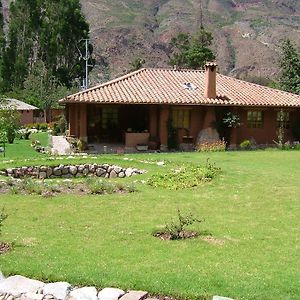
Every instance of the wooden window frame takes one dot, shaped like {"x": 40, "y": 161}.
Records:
{"x": 181, "y": 118}
{"x": 255, "y": 119}
{"x": 286, "y": 119}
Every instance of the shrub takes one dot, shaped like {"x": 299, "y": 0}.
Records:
{"x": 9, "y": 124}
{"x": 245, "y": 145}
{"x": 186, "y": 176}
{"x": 217, "y": 146}
{"x": 176, "y": 229}
{"x": 81, "y": 145}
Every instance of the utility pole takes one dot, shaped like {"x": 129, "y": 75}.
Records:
{"x": 86, "y": 59}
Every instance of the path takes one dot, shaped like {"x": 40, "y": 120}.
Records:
{"x": 60, "y": 146}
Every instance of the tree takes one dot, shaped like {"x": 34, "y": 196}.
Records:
{"x": 136, "y": 64}
{"x": 42, "y": 89}
{"x": 46, "y": 31}
{"x": 191, "y": 52}
{"x": 9, "y": 124}
{"x": 289, "y": 62}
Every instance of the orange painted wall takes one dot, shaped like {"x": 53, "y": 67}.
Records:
{"x": 26, "y": 117}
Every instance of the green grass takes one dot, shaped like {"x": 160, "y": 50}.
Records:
{"x": 253, "y": 206}
{"x": 21, "y": 149}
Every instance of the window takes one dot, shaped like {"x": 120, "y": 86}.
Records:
{"x": 109, "y": 117}
{"x": 181, "y": 118}
{"x": 283, "y": 119}
{"x": 255, "y": 119}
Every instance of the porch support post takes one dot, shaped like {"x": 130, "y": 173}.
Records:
{"x": 163, "y": 130}
{"x": 83, "y": 122}
{"x": 153, "y": 121}
{"x": 72, "y": 119}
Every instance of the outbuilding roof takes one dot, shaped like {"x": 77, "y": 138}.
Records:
{"x": 182, "y": 87}
{"x": 15, "y": 104}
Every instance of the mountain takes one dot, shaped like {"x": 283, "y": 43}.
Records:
{"x": 247, "y": 33}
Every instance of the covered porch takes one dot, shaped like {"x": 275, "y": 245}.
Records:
{"x": 137, "y": 125}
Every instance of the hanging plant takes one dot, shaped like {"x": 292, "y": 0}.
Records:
{"x": 231, "y": 120}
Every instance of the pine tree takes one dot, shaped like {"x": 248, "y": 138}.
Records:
{"x": 191, "y": 52}
{"x": 289, "y": 63}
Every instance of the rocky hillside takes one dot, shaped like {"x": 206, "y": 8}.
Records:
{"x": 247, "y": 33}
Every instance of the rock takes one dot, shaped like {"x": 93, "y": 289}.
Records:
{"x": 80, "y": 168}
{"x": 32, "y": 296}
{"x": 17, "y": 284}
{"x": 113, "y": 174}
{"x": 110, "y": 294}
{"x": 43, "y": 169}
{"x": 85, "y": 171}
{"x": 85, "y": 293}
{"x": 128, "y": 172}
{"x": 1, "y": 276}
{"x": 10, "y": 171}
{"x": 221, "y": 298}
{"x": 73, "y": 170}
{"x": 58, "y": 289}
{"x": 117, "y": 169}
{"x": 121, "y": 174}
{"x": 208, "y": 135}
{"x": 49, "y": 172}
{"x": 65, "y": 170}
{"x": 100, "y": 172}
{"x": 135, "y": 295}
{"x": 42, "y": 175}
{"x": 57, "y": 171}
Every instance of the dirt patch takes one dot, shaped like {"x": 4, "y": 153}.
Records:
{"x": 166, "y": 236}
{"x": 213, "y": 241}
{"x": 4, "y": 248}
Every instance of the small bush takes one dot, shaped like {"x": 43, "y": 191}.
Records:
{"x": 217, "y": 146}
{"x": 186, "y": 176}
{"x": 245, "y": 145}
{"x": 176, "y": 229}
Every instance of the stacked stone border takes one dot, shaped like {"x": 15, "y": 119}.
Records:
{"x": 70, "y": 171}
{"x": 21, "y": 288}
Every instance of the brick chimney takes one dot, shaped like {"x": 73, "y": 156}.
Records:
{"x": 210, "y": 84}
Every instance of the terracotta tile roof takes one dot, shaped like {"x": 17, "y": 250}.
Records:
{"x": 169, "y": 86}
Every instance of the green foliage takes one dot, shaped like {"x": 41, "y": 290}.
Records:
{"x": 289, "y": 63}
{"x": 177, "y": 228}
{"x": 3, "y": 217}
{"x": 191, "y": 52}
{"x": 44, "y": 35}
{"x": 172, "y": 136}
{"x": 245, "y": 145}
{"x": 185, "y": 176}
{"x": 231, "y": 120}
{"x": 9, "y": 124}
{"x": 60, "y": 126}
{"x": 136, "y": 64}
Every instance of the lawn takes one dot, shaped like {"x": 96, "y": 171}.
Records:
{"x": 251, "y": 209}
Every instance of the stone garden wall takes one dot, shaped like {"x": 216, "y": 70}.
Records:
{"x": 69, "y": 171}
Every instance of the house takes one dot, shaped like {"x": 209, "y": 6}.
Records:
{"x": 26, "y": 110}
{"x": 149, "y": 103}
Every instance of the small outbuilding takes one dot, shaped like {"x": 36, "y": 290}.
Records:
{"x": 26, "y": 110}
